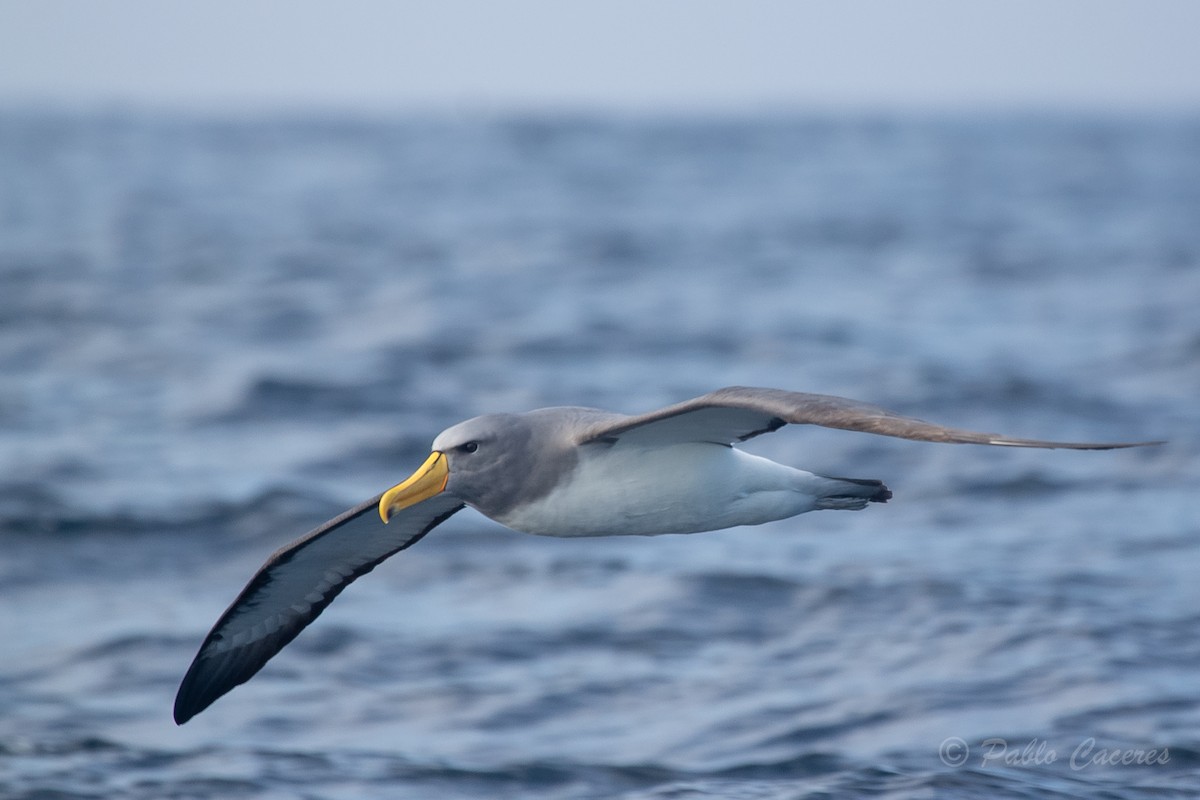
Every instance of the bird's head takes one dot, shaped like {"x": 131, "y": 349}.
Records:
{"x": 484, "y": 462}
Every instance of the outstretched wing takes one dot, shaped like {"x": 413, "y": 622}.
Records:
{"x": 292, "y": 588}
{"x": 737, "y": 413}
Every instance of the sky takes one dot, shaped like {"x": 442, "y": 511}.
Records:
{"x": 639, "y": 55}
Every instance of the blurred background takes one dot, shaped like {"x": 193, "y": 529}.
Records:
{"x": 254, "y": 256}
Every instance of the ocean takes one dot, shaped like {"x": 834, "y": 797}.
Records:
{"x": 218, "y": 331}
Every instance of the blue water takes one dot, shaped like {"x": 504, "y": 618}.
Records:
{"x": 217, "y": 332}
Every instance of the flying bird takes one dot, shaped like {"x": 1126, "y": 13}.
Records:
{"x": 562, "y": 472}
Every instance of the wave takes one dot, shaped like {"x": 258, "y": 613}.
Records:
{"x": 274, "y": 397}
{"x": 52, "y": 768}
{"x": 37, "y": 511}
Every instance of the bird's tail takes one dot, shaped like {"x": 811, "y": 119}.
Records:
{"x": 852, "y": 494}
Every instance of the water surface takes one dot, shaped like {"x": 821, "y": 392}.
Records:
{"x": 215, "y": 333}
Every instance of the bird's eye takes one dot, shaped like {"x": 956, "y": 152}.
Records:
{"x": 469, "y": 447}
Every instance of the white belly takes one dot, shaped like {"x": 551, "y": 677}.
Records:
{"x": 684, "y": 488}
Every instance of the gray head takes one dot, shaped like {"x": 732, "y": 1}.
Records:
{"x": 494, "y": 462}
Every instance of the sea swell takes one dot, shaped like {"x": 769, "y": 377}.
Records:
{"x": 216, "y": 334}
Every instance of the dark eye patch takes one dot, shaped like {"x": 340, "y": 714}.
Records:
{"x": 469, "y": 447}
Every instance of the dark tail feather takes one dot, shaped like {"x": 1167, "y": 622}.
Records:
{"x": 871, "y": 490}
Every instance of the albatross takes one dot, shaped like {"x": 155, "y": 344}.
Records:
{"x": 563, "y": 472}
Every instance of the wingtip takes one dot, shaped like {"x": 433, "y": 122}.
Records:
{"x": 191, "y": 699}
{"x": 1004, "y": 441}
{"x": 196, "y": 690}
{"x": 1126, "y": 445}
{"x": 183, "y": 711}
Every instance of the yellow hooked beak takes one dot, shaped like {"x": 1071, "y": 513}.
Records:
{"x": 427, "y": 481}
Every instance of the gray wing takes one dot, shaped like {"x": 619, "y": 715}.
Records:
{"x": 737, "y": 413}
{"x": 292, "y": 588}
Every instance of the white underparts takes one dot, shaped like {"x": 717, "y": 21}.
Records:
{"x": 684, "y": 488}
